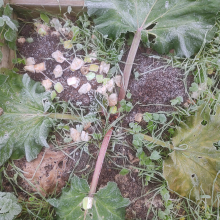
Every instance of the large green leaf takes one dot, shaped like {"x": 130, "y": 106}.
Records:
{"x": 176, "y": 24}
{"x": 108, "y": 204}
{"x": 9, "y": 206}
{"x": 192, "y": 170}
{"x": 23, "y": 125}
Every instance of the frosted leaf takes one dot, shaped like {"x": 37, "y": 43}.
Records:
{"x": 76, "y": 64}
{"x": 73, "y": 81}
{"x": 192, "y": 169}
{"x": 55, "y": 33}
{"x": 85, "y": 88}
{"x": 47, "y": 84}
{"x": 21, "y": 40}
{"x": 58, "y": 71}
{"x": 30, "y": 61}
{"x": 110, "y": 85}
{"x": 56, "y": 24}
{"x": 117, "y": 80}
{"x": 104, "y": 68}
{"x": 181, "y": 25}
{"x": 40, "y": 67}
{"x": 84, "y": 70}
{"x": 67, "y": 44}
{"x": 24, "y": 103}
{"x": 90, "y": 76}
{"x": 107, "y": 202}
{"x": 113, "y": 99}
{"x": 75, "y": 135}
{"x": 138, "y": 117}
{"x": 30, "y": 68}
{"x": 85, "y": 136}
{"x": 58, "y": 56}
{"x": 93, "y": 68}
{"x": 58, "y": 87}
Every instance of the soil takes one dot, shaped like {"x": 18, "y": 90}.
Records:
{"x": 41, "y": 49}
{"x": 153, "y": 91}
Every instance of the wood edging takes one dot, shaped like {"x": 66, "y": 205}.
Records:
{"x": 47, "y": 3}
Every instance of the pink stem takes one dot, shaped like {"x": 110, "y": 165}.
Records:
{"x": 99, "y": 162}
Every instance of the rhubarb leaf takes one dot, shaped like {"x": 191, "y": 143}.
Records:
{"x": 175, "y": 24}
{"x": 192, "y": 170}
{"x": 23, "y": 126}
{"x": 108, "y": 204}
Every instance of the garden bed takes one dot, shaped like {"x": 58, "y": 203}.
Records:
{"x": 156, "y": 101}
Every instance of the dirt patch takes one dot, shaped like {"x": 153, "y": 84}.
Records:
{"x": 41, "y": 49}
{"x": 156, "y": 85}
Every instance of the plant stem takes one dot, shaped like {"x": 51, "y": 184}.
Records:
{"x": 158, "y": 142}
{"x": 99, "y": 162}
{"x": 106, "y": 140}
{"x": 129, "y": 63}
{"x": 64, "y": 116}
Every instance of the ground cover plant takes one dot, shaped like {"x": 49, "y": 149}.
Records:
{"x": 188, "y": 164}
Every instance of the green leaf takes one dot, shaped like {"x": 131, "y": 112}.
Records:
{"x": 12, "y": 45}
{"x": 107, "y": 202}
{"x": 8, "y": 10}
{"x": 10, "y": 35}
{"x": 162, "y": 118}
{"x": 124, "y": 172}
{"x": 45, "y": 18}
{"x": 193, "y": 167}
{"x": 155, "y": 155}
{"x": 23, "y": 125}
{"x": 147, "y": 116}
{"x": 11, "y": 23}
{"x": 9, "y": 206}
{"x": 177, "y": 24}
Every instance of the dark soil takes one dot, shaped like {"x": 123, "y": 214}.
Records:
{"x": 41, "y": 49}
{"x": 153, "y": 91}
{"x": 157, "y": 85}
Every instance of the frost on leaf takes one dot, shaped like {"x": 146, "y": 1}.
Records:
{"x": 23, "y": 126}
{"x": 107, "y": 202}
{"x": 9, "y": 206}
{"x": 192, "y": 170}
{"x": 181, "y": 25}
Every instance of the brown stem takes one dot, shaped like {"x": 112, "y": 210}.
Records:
{"x": 99, "y": 162}
{"x": 129, "y": 64}
{"x": 64, "y": 116}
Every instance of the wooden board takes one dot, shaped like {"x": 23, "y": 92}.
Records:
{"x": 8, "y": 54}
{"x": 32, "y": 8}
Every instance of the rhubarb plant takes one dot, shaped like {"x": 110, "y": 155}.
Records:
{"x": 25, "y": 121}
{"x": 182, "y": 25}
{"x": 107, "y": 203}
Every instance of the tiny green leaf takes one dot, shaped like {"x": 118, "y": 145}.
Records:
{"x": 155, "y": 155}
{"x": 156, "y": 116}
{"x": 69, "y": 9}
{"x": 194, "y": 87}
{"x": 162, "y": 118}
{"x": 58, "y": 87}
{"x": 90, "y": 76}
{"x": 45, "y": 18}
{"x": 99, "y": 78}
{"x": 124, "y": 172}
{"x": 147, "y": 116}
{"x": 53, "y": 95}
